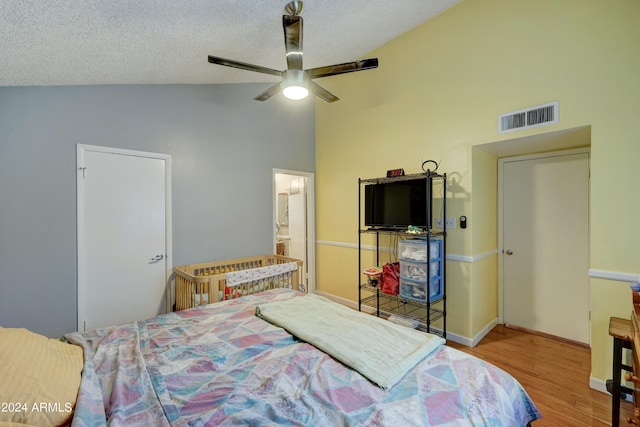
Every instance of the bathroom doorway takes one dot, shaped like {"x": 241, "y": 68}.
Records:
{"x": 294, "y": 220}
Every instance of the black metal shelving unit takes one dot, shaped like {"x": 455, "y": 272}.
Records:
{"x": 385, "y": 305}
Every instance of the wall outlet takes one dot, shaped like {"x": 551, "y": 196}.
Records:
{"x": 451, "y": 222}
{"x": 439, "y": 222}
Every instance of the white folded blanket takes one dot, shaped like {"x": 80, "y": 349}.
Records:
{"x": 380, "y": 350}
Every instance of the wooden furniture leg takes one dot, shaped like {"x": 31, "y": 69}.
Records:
{"x": 622, "y": 333}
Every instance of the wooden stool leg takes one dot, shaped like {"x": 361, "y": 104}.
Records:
{"x": 617, "y": 377}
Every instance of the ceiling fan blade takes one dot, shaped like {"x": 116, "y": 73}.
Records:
{"x": 293, "y": 41}
{"x": 269, "y": 92}
{"x": 347, "y": 67}
{"x": 321, "y": 92}
{"x": 243, "y": 66}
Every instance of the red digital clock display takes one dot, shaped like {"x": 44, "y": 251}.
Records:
{"x": 395, "y": 172}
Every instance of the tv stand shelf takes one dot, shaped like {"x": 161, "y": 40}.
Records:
{"x": 371, "y": 298}
{"x": 386, "y": 179}
{"x": 385, "y": 305}
{"x": 397, "y": 231}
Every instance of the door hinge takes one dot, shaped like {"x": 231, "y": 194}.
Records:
{"x": 82, "y": 169}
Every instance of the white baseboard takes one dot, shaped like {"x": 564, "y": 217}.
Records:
{"x": 600, "y": 385}
{"x": 337, "y": 299}
{"x": 472, "y": 342}
{"x": 483, "y": 333}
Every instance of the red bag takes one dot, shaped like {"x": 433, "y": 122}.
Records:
{"x": 390, "y": 278}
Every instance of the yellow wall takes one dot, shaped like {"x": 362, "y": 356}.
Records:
{"x": 437, "y": 94}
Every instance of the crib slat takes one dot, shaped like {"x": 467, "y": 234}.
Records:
{"x": 193, "y": 281}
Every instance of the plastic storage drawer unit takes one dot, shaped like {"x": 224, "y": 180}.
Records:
{"x": 419, "y": 270}
{"x": 416, "y": 249}
{"x": 417, "y": 290}
{"x": 413, "y": 250}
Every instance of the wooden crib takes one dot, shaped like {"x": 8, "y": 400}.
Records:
{"x": 205, "y": 283}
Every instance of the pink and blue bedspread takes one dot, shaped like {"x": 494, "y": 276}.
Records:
{"x": 221, "y": 365}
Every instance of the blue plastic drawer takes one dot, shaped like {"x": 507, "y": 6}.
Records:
{"x": 416, "y": 250}
{"x": 417, "y": 290}
{"x": 413, "y": 250}
{"x": 419, "y": 270}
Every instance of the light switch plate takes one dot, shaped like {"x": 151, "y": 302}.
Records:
{"x": 451, "y": 222}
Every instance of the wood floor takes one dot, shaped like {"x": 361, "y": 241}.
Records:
{"x": 554, "y": 373}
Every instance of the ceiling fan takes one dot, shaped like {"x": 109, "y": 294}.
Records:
{"x": 296, "y": 82}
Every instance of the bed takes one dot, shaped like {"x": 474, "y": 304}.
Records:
{"x": 223, "y": 364}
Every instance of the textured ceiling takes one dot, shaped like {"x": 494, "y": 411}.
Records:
{"x": 79, "y": 42}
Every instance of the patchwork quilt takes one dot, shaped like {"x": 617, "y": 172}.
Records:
{"x": 220, "y": 364}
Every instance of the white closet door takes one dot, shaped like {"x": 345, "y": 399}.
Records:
{"x": 546, "y": 244}
{"x": 122, "y": 262}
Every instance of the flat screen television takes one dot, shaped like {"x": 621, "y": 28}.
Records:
{"x": 397, "y": 204}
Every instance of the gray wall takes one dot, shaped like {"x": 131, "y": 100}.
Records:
{"x": 223, "y": 144}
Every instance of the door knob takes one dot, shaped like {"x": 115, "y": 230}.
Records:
{"x": 509, "y": 252}
{"x": 156, "y": 258}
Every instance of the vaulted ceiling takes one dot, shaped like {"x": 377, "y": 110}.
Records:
{"x": 81, "y": 42}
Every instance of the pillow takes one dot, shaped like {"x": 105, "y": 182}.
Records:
{"x": 40, "y": 378}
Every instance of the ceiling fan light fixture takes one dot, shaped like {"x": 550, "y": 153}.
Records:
{"x": 294, "y": 84}
{"x": 295, "y": 92}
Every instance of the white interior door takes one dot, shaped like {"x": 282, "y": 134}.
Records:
{"x": 299, "y": 230}
{"x": 298, "y": 224}
{"x": 545, "y": 241}
{"x": 122, "y": 236}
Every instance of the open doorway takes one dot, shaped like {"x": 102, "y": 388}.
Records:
{"x": 294, "y": 222}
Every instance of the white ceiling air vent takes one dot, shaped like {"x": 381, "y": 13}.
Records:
{"x": 540, "y": 115}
